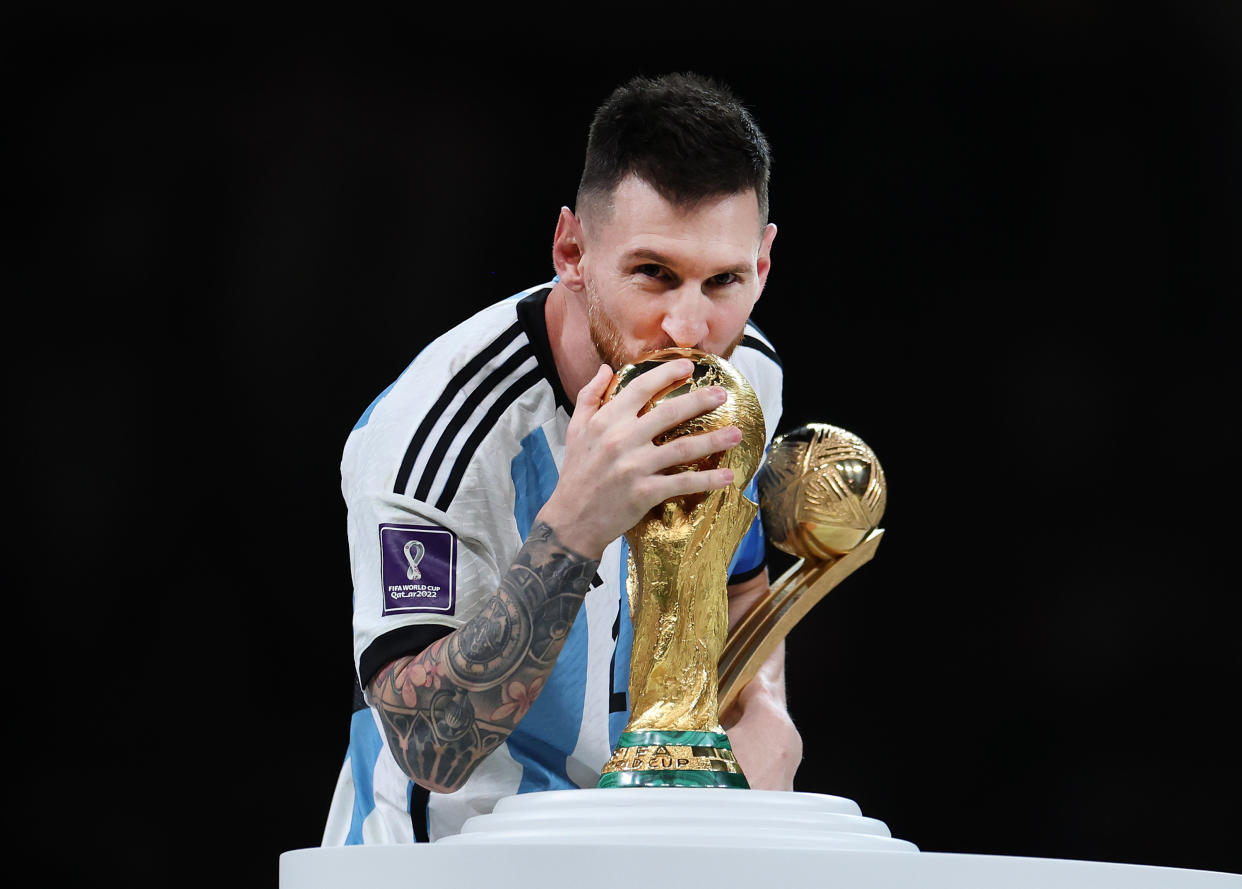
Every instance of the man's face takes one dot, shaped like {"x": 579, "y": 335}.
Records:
{"x": 657, "y": 275}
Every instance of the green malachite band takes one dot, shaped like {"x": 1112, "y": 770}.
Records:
{"x": 683, "y": 739}
{"x": 674, "y": 777}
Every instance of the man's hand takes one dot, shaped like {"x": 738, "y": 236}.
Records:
{"x": 613, "y": 474}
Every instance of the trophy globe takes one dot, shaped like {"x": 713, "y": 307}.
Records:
{"x": 823, "y": 492}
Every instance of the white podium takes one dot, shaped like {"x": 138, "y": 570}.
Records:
{"x": 712, "y": 838}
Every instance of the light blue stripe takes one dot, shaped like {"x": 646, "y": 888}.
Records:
{"x": 621, "y": 658}
{"x": 534, "y": 476}
{"x": 366, "y": 415}
{"x": 752, "y": 551}
{"x": 548, "y": 733}
{"x": 365, "y": 746}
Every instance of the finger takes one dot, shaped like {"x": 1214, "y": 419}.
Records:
{"x": 592, "y": 394}
{"x": 673, "y": 411}
{"x": 691, "y": 482}
{"x": 689, "y": 448}
{"x": 646, "y": 386}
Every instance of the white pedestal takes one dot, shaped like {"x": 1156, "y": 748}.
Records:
{"x": 683, "y": 817}
{"x": 722, "y": 839}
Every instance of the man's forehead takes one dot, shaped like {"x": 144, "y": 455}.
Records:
{"x": 636, "y": 216}
{"x": 633, "y": 192}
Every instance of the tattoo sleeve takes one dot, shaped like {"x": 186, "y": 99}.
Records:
{"x": 447, "y": 708}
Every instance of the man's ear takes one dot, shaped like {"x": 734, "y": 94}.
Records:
{"x": 763, "y": 262}
{"x": 567, "y": 249}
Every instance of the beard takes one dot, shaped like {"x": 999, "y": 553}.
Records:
{"x": 610, "y": 344}
{"x": 607, "y": 338}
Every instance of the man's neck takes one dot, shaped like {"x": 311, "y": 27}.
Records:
{"x": 569, "y": 335}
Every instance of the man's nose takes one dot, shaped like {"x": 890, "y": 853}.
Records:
{"x": 685, "y": 321}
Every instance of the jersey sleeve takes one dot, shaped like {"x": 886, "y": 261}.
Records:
{"x": 417, "y": 575}
{"x": 418, "y": 572}
{"x": 751, "y": 555}
{"x": 425, "y": 475}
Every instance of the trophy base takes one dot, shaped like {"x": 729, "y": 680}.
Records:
{"x": 673, "y": 759}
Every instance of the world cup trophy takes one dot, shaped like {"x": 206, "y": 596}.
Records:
{"x": 678, "y": 563}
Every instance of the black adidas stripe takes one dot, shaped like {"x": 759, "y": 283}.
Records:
{"x": 618, "y": 702}
{"x": 760, "y": 346}
{"x": 481, "y": 391}
{"x": 530, "y": 311}
{"x": 419, "y": 798}
{"x": 455, "y": 385}
{"x": 510, "y": 395}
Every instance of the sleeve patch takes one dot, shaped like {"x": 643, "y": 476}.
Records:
{"x": 420, "y": 569}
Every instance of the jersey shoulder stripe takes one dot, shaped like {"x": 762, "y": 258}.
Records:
{"x": 527, "y": 381}
{"x": 455, "y": 385}
{"x": 756, "y": 339}
{"x": 463, "y": 414}
{"x": 471, "y": 401}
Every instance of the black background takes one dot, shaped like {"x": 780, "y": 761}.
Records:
{"x": 1008, "y": 259}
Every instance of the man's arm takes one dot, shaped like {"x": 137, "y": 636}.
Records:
{"x": 445, "y": 709}
{"x": 764, "y": 738}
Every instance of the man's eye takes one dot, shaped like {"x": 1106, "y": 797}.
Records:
{"x": 722, "y": 279}
{"x": 651, "y": 270}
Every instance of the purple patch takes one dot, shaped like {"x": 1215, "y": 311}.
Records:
{"x": 420, "y": 568}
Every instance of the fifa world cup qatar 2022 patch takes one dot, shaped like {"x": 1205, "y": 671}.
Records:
{"x": 420, "y": 569}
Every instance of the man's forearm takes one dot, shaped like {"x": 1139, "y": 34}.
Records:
{"x": 448, "y": 707}
{"x": 765, "y": 740}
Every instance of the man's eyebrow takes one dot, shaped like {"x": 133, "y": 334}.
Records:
{"x": 653, "y": 255}
{"x": 658, "y": 257}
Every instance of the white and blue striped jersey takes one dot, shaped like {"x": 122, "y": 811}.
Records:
{"x": 443, "y": 476}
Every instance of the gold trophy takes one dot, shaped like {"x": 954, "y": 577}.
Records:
{"x": 823, "y": 492}
{"x": 679, "y": 556}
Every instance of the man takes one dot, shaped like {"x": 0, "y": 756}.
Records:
{"x": 489, "y": 486}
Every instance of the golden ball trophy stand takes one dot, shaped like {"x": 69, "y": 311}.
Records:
{"x": 673, "y": 806}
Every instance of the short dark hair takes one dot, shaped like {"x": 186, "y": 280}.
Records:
{"x": 685, "y": 135}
